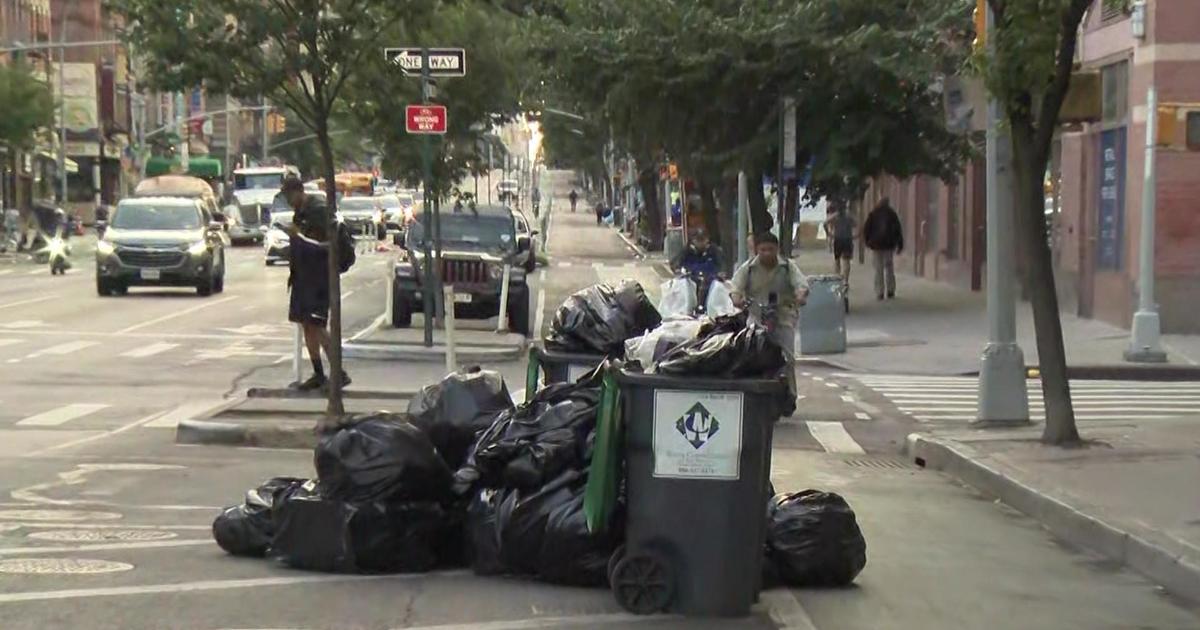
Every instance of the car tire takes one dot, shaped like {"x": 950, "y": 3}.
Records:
{"x": 206, "y": 285}
{"x": 104, "y": 288}
{"x": 219, "y": 282}
{"x": 381, "y": 232}
{"x": 518, "y": 313}
{"x": 401, "y": 313}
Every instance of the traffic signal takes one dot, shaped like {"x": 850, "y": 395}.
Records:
{"x": 276, "y": 123}
{"x": 980, "y": 18}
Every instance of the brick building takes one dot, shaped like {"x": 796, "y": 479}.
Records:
{"x": 1094, "y": 186}
{"x": 25, "y": 175}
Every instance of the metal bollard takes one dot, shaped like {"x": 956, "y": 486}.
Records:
{"x": 451, "y": 355}
{"x": 502, "y": 319}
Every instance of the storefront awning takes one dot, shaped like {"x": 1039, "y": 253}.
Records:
{"x": 72, "y": 165}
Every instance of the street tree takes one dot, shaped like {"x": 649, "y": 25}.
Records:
{"x": 298, "y": 53}
{"x": 27, "y": 106}
{"x": 1027, "y": 65}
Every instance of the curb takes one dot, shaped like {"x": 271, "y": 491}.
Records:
{"x": 1177, "y": 574}
{"x": 212, "y": 433}
{"x": 437, "y": 353}
{"x": 291, "y": 394}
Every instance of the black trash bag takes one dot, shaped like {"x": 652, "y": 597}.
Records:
{"x": 381, "y": 457}
{"x": 246, "y": 530}
{"x": 813, "y": 539}
{"x": 724, "y": 349}
{"x": 532, "y": 444}
{"x": 335, "y": 536}
{"x": 572, "y": 555}
{"x": 482, "y": 532}
{"x": 598, "y": 319}
{"x": 453, "y": 411}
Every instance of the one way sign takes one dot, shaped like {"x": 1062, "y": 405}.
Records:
{"x": 443, "y": 62}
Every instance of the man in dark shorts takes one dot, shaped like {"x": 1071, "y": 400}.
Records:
{"x": 840, "y": 227}
{"x": 308, "y": 306}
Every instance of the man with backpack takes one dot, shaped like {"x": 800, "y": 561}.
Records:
{"x": 885, "y": 238}
{"x": 308, "y": 278}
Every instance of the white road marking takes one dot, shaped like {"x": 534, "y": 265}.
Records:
{"x": 862, "y": 415}
{"x": 834, "y": 438}
{"x": 36, "y": 272}
{"x": 93, "y": 438}
{"x": 186, "y": 411}
{"x": 347, "y": 294}
{"x": 35, "y": 300}
{"x": 833, "y": 385}
{"x": 60, "y": 415}
{"x": 847, "y": 398}
{"x": 186, "y": 311}
{"x": 21, "y": 551}
{"x": 150, "y": 350}
{"x": 5, "y": 272}
{"x": 9, "y": 342}
{"x": 210, "y": 585}
{"x": 64, "y": 348}
{"x": 818, "y": 379}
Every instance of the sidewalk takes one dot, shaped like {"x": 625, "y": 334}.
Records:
{"x": 947, "y": 328}
{"x": 1131, "y": 494}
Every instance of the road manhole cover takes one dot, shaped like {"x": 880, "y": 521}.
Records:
{"x": 56, "y": 515}
{"x": 61, "y": 566}
{"x": 102, "y": 535}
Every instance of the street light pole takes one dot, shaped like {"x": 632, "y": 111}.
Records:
{"x": 1145, "y": 345}
{"x": 62, "y": 108}
{"x": 427, "y": 294}
{"x": 1003, "y": 397}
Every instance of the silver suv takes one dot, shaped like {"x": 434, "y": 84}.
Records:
{"x": 161, "y": 242}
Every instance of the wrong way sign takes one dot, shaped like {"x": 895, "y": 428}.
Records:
{"x": 428, "y": 119}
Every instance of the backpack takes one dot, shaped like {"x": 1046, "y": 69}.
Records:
{"x": 346, "y": 254}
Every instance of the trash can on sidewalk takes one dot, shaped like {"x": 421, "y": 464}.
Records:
{"x": 557, "y": 367}
{"x": 698, "y": 461}
{"x": 823, "y": 318}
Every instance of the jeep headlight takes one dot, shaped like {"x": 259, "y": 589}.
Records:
{"x": 197, "y": 248}
{"x": 105, "y": 248}
{"x": 495, "y": 271}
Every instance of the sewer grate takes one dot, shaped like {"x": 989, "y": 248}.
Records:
{"x": 878, "y": 463}
{"x": 61, "y": 566}
{"x": 102, "y": 535}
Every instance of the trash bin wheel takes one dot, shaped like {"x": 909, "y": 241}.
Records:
{"x": 616, "y": 556}
{"x": 643, "y": 583}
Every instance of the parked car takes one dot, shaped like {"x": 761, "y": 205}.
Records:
{"x": 526, "y": 257}
{"x": 476, "y": 244}
{"x": 161, "y": 241}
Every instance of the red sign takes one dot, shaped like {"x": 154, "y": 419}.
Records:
{"x": 426, "y": 118}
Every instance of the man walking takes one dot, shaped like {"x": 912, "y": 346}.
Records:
{"x": 308, "y": 279}
{"x": 767, "y": 279}
{"x": 574, "y": 197}
{"x": 840, "y": 228}
{"x": 885, "y": 237}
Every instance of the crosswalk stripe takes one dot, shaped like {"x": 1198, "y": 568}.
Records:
{"x": 186, "y": 411}
{"x": 150, "y": 350}
{"x": 1093, "y": 411}
{"x": 66, "y": 348}
{"x": 9, "y": 342}
{"x": 834, "y": 438}
{"x": 1181, "y": 399}
{"x": 5, "y": 272}
{"x": 61, "y": 415}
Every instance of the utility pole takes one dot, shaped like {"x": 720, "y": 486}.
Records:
{"x": 266, "y": 133}
{"x": 1144, "y": 336}
{"x": 180, "y": 128}
{"x": 1003, "y": 397}
{"x": 430, "y": 288}
{"x": 62, "y": 108}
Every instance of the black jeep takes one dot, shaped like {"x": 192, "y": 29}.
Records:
{"x": 477, "y": 241}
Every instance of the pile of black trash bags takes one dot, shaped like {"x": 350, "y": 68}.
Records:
{"x": 600, "y": 318}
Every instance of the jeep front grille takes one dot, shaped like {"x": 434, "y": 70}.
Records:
{"x": 464, "y": 272}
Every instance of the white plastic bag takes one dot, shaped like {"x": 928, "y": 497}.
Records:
{"x": 678, "y": 298}
{"x": 720, "y": 299}
{"x": 671, "y": 333}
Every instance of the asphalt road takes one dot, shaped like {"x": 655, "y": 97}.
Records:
{"x": 104, "y": 521}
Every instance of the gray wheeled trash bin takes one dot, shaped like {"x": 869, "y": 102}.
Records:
{"x": 823, "y": 318}
{"x": 697, "y": 463}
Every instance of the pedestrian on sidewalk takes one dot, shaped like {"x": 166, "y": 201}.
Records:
{"x": 574, "y": 197}
{"x": 308, "y": 278}
{"x": 841, "y": 228}
{"x": 884, "y": 235}
{"x": 600, "y": 212}
{"x": 767, "y": 279}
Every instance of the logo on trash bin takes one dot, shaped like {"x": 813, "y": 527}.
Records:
{"x": 697, "y": 426}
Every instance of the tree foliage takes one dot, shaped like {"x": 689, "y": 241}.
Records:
{"x": 26, "y": 106}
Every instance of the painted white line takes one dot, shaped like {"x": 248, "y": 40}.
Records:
{"x": 5, "y": 272}
{"x": 1080, "y": 411}
{"x": 786, "y": 611}
{"x": 44, "y": 525}
{"x": 150, "y": 350}
{"x": 29, "y": 301}
{"x": 862, "y": 415}
{"x": 22, "y": 551}
{"x": 833, "y": 385}
{"x": 834, "y": 437}
{"x": 806, "y": 374}
{"x": 9, "y": 342}
{"x": 186, "y": 411}
{"x": 210, "y": 585}
{"x": 61, "y": 415}
{"x": 818, "y": 379}
{"x": 372, "y": 327}
{"x": 36, "y": 272}
{"x": 586, "y": 621}
{"x": 539, "y": 317}
{"x": 848, "y": 398}
{"x": 347, "y": 294}
{"x": 94, "y": 438}
{"x": 186, "y": 311}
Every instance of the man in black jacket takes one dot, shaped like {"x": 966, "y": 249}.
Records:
{"x": 885, "y": 237}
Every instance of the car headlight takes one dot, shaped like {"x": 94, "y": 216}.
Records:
{"x": 105, "y": 248}
{"x": 496, "y": 272}
{"x": 197, "y": 248}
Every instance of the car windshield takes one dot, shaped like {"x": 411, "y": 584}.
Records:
{"x": 265, "y": 180}
{"x": 146, "y": 217}
{"x": 489, "y": 232}
{"x": 391, "y": 202}
{"x": 351, "y": 204}
{"x": 407, "y": 201}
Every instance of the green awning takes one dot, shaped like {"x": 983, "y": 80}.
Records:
{"x": 197, "y": 167}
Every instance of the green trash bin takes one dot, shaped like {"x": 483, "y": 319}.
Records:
{"x": 697, "y": 465}
{"x": 558, "y": 367}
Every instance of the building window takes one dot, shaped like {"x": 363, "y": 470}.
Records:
{"x": 1193, "y": 131}
{"x": 1114, "y": 80}
{"x": 1113, "y": 10}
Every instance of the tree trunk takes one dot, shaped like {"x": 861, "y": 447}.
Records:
{"x": 335, "y": 409}
{"x": 652, "y": 211}
{"x": 708, "y": 208}
{"x": 1029, "y": 210}
{"x": 760, "y": 219}
{"x": 787, "y": 224}
{"x": 727, "y": 196}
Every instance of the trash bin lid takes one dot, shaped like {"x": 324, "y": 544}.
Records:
{"x": 553, "y": 356}
{"x": 765, "y": 386}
